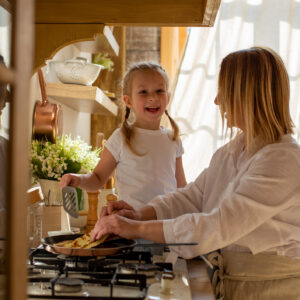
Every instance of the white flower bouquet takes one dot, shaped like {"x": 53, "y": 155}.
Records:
{"x": 67, "y": 155}
{"x": 103, "y": 60}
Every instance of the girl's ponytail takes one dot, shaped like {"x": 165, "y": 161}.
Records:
{"x": 174, "y": 127}
{"x": 126, "y": 128}
{"x": 128, "y": 131}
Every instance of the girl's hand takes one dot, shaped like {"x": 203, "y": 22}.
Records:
{"x": 118, "y": 225}
{"x": 120, "y": 208}
{"x": 70, "y": 180}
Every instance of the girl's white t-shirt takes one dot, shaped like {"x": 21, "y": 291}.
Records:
{"x": 141, "y": 178}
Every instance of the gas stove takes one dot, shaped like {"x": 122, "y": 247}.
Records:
{"x": 137, "y": 274}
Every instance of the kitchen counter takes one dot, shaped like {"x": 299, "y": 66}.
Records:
{"x": 199, "y": 281}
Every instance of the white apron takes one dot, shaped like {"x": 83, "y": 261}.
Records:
{"x": 244, "y": 276}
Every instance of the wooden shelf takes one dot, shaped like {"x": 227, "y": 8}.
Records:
{"x": 104, "y": 42}
{"x": 82, "y": 98}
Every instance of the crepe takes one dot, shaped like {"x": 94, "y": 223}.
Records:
{"x": 82, "y": 242}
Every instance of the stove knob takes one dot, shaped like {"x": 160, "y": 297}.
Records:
{"x": 167, "y": 282}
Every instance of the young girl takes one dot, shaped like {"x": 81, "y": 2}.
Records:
{"x": 247, "y": 202}
{"x": 147, "y": 157}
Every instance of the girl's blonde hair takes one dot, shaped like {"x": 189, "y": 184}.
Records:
{"x": 126, "y": 128}
{"x": 254, "y": 85}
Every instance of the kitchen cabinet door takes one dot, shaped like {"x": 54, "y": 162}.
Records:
{"x": 17, "y": 49}
{"x": 6, "y": 77}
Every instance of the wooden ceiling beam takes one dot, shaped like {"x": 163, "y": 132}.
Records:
{"x": 128, "y": 12}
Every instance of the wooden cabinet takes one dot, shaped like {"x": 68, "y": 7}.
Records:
{"x": 91, "y": 38}
{"x": 132, "y": 12}
{"x": 50, "y": 38}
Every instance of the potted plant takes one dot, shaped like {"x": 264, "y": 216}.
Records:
{"x": 50, "y": 161}
{"x": 103, "y": 60}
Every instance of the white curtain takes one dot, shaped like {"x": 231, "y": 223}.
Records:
{"x": 240, "y": 24}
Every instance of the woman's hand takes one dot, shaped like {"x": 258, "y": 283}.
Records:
{"x": 120, "y": 208}
{"x": 118, "y": 225}
{"x": 73, "y": 180}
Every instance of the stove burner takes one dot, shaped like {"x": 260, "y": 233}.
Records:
{"x": 68, "y": 285}
{"x": 62, "y": 257}
{"x": 133, "y": 268}
{"x": 148, "y": 267}
{"x": 128, "y": 268}
{"x": 32, "y": 272}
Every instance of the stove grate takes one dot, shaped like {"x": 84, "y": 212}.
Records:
{"x": 98, "y": 271}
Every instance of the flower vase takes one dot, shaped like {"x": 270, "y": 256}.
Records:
{"x": 51, "y": 191}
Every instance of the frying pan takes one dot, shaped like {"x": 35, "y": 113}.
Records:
{"x": 47, "y": 117}
{"x": 109, "y": 247}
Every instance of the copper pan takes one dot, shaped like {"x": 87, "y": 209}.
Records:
{"x": 110, "y": 247}
{"x": 47, "y": 117}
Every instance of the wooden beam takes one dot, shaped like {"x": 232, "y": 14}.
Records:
{"x": 18, "y": 167}
{"x": 6, "y": 5}
{"x": 111, "y": 81}
{"x": 210, "y": 12}
{"x": 172, "y": 42}
{"x": 128, "y": 12}
{"x": 49, "y": 38}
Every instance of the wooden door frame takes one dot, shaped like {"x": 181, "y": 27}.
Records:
{"x": 20, "y": 118}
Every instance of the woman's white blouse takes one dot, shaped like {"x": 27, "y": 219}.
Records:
{"x": 244, "y": 204}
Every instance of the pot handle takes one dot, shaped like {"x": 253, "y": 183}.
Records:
{"x": 78, "y": 60}
{"x": 166, "y": 244}
{"x": 43, "y": 87}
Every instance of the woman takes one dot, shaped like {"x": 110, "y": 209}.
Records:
{"x": 247, "y": 202}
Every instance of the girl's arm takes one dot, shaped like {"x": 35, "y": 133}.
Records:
{"x": 94, "y": 180}
{"x": 179, "y": 173}
{"x": 101, "y": 173}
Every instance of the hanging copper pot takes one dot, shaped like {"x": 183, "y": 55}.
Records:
{"x": 47, "y": 117}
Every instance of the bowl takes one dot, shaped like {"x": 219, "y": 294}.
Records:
{"x": 76, "y": 71}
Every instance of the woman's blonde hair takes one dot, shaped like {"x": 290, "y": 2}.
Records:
{"x": 126, "y": 128}
{"x": 254, "y": 85}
